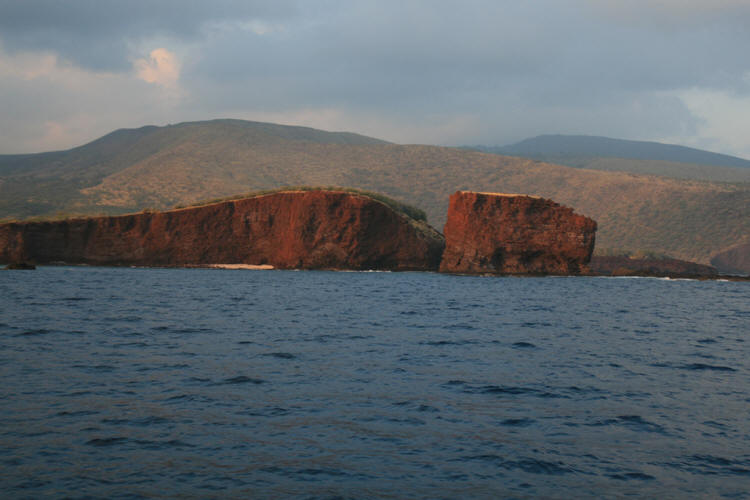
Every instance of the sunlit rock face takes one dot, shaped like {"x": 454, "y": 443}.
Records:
{"x": 499, "y": 233}
{"x": 287, "y": 230}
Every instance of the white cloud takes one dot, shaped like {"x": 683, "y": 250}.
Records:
{"x": 429, "y": 72}
{"x": 48, "y": 103}
{"x": 724, "y": 120}
{"x": 27, "y": 66}
{"x": 161, "y": 67}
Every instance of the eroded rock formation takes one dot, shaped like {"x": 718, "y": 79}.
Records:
{"x": 514, "y": 234}
{"x": 291, "y": 229}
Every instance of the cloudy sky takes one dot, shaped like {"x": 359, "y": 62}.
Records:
{"x": 432, "y": 71}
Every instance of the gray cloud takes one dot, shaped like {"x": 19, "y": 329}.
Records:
{"x": 99, "y": 34}
{"x": 493, "y": 72}
{"x": 487, "y": 59}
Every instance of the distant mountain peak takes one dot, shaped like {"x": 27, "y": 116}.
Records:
{"x": 258, "y": 130}
{"x": 557, "y": 145}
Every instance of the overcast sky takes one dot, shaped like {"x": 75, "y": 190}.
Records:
{"x": 435, "y": 72}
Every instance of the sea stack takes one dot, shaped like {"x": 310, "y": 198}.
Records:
{"x": 295, "y": 229}
{"x": 495, "y": 233}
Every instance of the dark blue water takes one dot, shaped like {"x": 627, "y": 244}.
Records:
{"x": 211, "y": 383}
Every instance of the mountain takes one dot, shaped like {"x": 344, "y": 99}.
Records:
{"x": 605, "y": 147}
{"x": 125, "y": 147}
{"x": 160, "y": 167}
{"x": 641, "y": 157}
{"x": 45, "y": 183}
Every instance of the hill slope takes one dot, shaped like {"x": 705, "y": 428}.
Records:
{"x": 662, "y": 168}
{"x": 45, "y": 183}
{"x": 605, "y": 147}
{"x": 650, "y": 158}
{"x": 160, "y": 167}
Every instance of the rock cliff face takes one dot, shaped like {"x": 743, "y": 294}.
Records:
{"x": 514, "y": 234}
{"x": 291, "y": 229}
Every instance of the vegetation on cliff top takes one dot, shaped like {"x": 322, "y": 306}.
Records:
{"x": 400, "y": 207}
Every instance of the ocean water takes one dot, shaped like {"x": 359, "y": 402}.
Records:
{"x": 196, "y": 383}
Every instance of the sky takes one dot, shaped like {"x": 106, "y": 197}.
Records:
{"x": 431, "y": 72}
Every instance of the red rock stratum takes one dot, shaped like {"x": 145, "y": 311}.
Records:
{"x": 320, "y": 229}
{"x": 514, "y": 234}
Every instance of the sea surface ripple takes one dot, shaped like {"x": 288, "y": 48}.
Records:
{"x": 139, "y": 383}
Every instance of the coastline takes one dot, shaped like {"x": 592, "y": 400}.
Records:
{"x": 250, "y": 267}
{"x": 268, "y": 267}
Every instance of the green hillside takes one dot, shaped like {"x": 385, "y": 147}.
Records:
{"x": 160, "y": 167}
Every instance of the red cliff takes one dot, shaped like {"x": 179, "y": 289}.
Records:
{"x": 289, "y": 230}
{"x": 514, "y": 234}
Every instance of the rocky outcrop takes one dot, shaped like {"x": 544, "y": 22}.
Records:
{"x": 735, "y": 260}
{"x": 288, "y": 230}
{"x": 19, "y": 266}
{"x": 665, "y": 267}
{"x": 514, "y": 234}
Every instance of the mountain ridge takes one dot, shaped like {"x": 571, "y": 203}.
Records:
{"x": 121, "y": 140}
{"x": 620, "y": 155}
{"x": 607, "y": 147}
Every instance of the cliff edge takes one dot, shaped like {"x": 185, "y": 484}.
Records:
{"x": 318, "y": 229}
{"x": 499, "y": 233}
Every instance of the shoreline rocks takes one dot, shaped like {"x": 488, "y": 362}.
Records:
{"x": 665, "y": 267}
{"x": 19, "y": 266}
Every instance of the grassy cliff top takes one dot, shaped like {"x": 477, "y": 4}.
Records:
{"x": 504, "y": 195}
{"x": 400, "y": 207}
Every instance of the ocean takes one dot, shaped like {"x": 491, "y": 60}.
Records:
{"x": 204, "y": 383}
